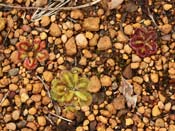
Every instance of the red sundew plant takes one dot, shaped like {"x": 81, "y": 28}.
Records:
{"x": 144, "y": 42}
{"x": 32, "y": 53}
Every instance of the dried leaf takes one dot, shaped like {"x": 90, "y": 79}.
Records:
{"x": 127, "y": 90}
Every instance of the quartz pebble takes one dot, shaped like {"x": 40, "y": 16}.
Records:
{"x": 81, "y": 41}
{"x": 45, "y": 21}
{"x": 129, "y": 122}
{"x": 16, "y": 114}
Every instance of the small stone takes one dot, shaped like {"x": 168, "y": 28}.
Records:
{"x": 81, "y": 41}
{"x": 159, "y": 122}
{"x": 45, "y": 100}
{"x": 119, "y": 102}
{"x": 43, "y": 35}
{"x": 135, "y": 65}
{"x": 94, "y": 85}
{"x": 54, "y": 30}
{"x": 14, "y": 57}
{"x": 166, "y": 28}
{"x": 76, "y": 14}
{"x": 71, "y": 47}
{"x": 91, "y": 24}
{"x": 13, "y": 87}
{"x": 37, "y": 87}
{"x": 13, "y": 72}
{"x": 11, "y": 126}
{"x": 129, "y": 122}
{"x": 141, "y": 109}
{"x": 41, "y": 120}
{"x": 106, "y": 80}
{"x": 2, "y": 23}
{"x": 16, "y": 114}
{"x": 137, "y": 89}
{"x": 103, "y": 119}
{"x": 45, "y": 21}
{"x": 156, "y": 111}
{"x": 83, "y": 61}
{"x": 128, "y": 29}
{"x": 154, "y": 77}
{"x": 21, "y": 124}
{"x": 24, "y": 97}
{"x": 89, "y": 35}
{"x": 121, "y": 37}
{"x": 5, "y": 103}
{"x": 127, "y": 49}
{"x": 48, "y": 76}
{"x": 138, "y": 79}
{"x": 104, "y": 43}
{"x": 32, "y": 111}
{"x": 168, "y": 106}
{"x": 167, "y": 7}
{"x": 118, "y": 46}
{"x": 136, "y": 58}
{"x": 40, "y": 3}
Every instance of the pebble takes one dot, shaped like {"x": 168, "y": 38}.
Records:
{"x": 54, "y": 30}
{"x": 81, "y": 41}
{"x": 136, "y": 58}
{"x": 159, "y": 122}
{"x": 141, "y": 109}
{"x": 91, "y": 24}
{"x": 37, "y": 87}
{"x": 119, "y": 102}
{"x": 2, "y": 24}
{"x": 5, "y": 103}
{"x": 83, "y": 61}
{"x": 106, "y": 80}
{"x": 48, "y": 76}
{"x": 135, "y": 65}
{"x": 167, "y": 7}
{"x": 137, "y": 88}
{"x": 40, "y": 3}
{"x": 71, "y": 47}
{"x": 161, "y": 97}
{"x": 16, "y": 114}
{"x": 168, "y": 106}
{"x": 104, "y": 43}
{"x": 13, "y": 87}
{"x": 21, "y": 124}
{"x": 32, "y": 111}
{"x": 11, "y": 126}
{"x": 43, "y": 36}
{"x": 156, "y": 111}
{"x": 128, "y": 29}
{"x": 76, "y": 14}
{"x": 45, "y": 21}
{"x": 94, "y": 85}
{"x": 127, "y": 49}
{"x": 41, "y": 120}
{"x": 122, "y": 37}
{"x": 154, "y": 77}
{"x": 13, "y": 72}
{"x": 118, "y": 46}
{"x": 103, "y": 119}
{"x": 129, "y": 122}
{"x": 166, "y": 28}
{"x": 24, "y": 97}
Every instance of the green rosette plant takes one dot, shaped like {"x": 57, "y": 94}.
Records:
{"x": 70, "y": 90}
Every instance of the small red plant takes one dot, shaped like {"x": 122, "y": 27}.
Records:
{"x": 32, "y": 53}
{"x": 144, "y": 42}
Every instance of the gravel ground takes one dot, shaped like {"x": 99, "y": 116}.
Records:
{"x": 127, "y": 54}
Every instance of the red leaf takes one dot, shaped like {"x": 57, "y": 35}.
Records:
{"x": 30, "y": 63}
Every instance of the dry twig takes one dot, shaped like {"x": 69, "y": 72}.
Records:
{"x": 60, "y": 117}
